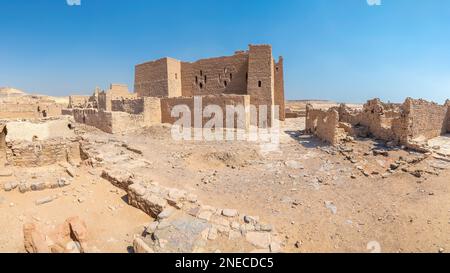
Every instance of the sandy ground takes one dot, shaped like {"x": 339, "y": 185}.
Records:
{"x": 314, "y": 197}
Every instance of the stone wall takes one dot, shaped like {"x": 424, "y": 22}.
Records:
{"x": 214, "y": 76}
{"x": 424, "y": 119}
{"x": 130, "y": 106}
{"x": 253, "y": 72}
{"x": 324, "y": 124}
{"x": 110, "y": 122}
{"x": 160, "y": 78}
{"x": 79, "y": 101}
{"x": 414, "y": 121}
{"x": 261, "y": 83}
{"x": 167, "y": 104}
{"x": 115, "y": 92}
{"x": 279, "y": 88}
{"x": 42, "y": 153}
{"x": 95, "y": 118}
{"x": 29, "y": 110}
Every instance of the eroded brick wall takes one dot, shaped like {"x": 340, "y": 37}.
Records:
{"x": 93, "y": 117}
{"x": 29, "y": 110}
{"x": 279, "y": 88}
{"x": 425, "y": 119}
{"x": 42, "y": 153}
{"x": 131, "y": 106}
{"x": 324, "y": 124}
{"x": 167, "y": 104}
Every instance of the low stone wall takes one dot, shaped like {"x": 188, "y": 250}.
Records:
{"x": 42, "y": 153}
{"x": 414, "y": 121}
{"x": 324, "y": 124}
{"x": 168, "y": 104}
{"x": 109, "y": 122}
{"x": 150, "y": 107}
{"x": 92, "y": 117}
{"x": 425, "y": 119}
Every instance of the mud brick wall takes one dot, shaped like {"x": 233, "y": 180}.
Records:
{"x": 78, "y": 101}
{"x": 279, "y": 88}
{"x": 133, "y": 106}
{"x": 160, "y": 78}
{"x": 167, "y": 104}
{"x": 93, "y": 117}
{"x": 42, "y": 153}
{"x": 115, "y": 92}
{"x": 425, "y": 119}
{"x": 122, "y": 122}
{"x": 110, "y": 122}
{"x": 261, "y": 83}
{"x": 152, "y": 110}
{"x": 214, "y": 76}
{"x": 29, "y": 110}
{"x": 324, "y": 124}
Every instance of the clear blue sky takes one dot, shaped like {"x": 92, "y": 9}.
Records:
{"x": 339, "y": 50}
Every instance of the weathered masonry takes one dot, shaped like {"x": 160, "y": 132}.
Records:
{"x": 254, "y": 73}
{"x": 410, "y": 124}
{"x": 249, "y": 79}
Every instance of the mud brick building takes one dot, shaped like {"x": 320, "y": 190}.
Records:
{"x": 253, "y": 72}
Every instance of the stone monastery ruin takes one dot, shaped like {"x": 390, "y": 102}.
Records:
{"x": 248, "y": 78}
{"x": 410, "y": 124}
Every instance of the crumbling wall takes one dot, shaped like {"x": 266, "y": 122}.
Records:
{"x": 424, "y": 119}
{"x": 279, "y": 88}
{"x": 324, "y": 124}
{"x": 110, "y": 122}
{"x": 29, "y": 110}
{"x": 42, "y": 153}
{"x": 131, "y": 106}
{"x": 78, "y": 101}
{"x": 167, "y": 105}
{"x": 115, "y": 92}
{"x": 414, "y": 121}
{"x": 93, "y": 117}
{"x": 2, "y": 144}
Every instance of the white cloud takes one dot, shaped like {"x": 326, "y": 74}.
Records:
{"x": 374, "y": 2}
{"x": 77, "y": 2}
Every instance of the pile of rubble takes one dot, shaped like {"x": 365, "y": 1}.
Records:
{"x": 184, "y": 224}
{"x": 69, "y": 237}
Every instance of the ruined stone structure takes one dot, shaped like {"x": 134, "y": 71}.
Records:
{"x": 2, "y": 144}
{"x": 38, "y": 143}
{"x": 248, "y": 79}
{"x": 253, "y": 72}
{"x": 410, "y": 123}
{"x": 28, "y": 107}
